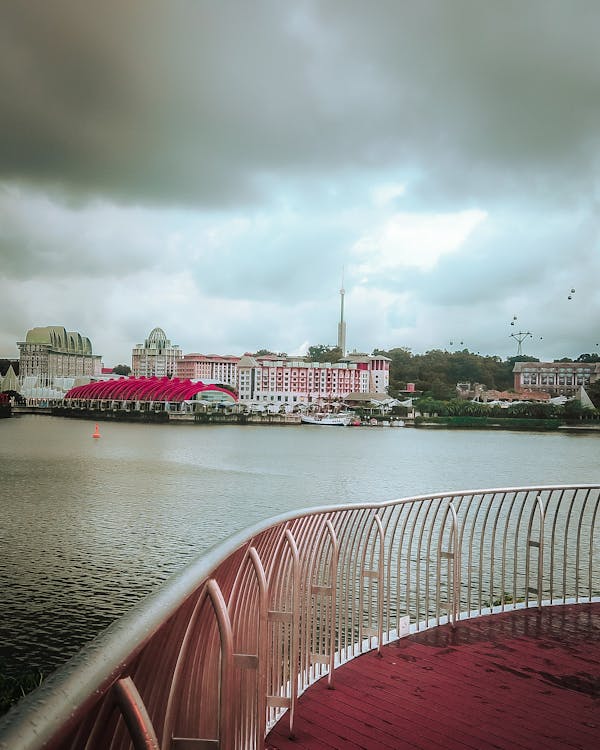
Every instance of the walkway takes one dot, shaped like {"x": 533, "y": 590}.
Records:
{"x": 524, "y": 679}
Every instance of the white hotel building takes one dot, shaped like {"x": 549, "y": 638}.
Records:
{"x": 284, "y": 380}
{"x": 273, "y": 379}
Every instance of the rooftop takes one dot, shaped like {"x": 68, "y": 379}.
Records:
{"x": 554, "y": 366}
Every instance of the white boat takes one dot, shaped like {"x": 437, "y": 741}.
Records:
{"x": 335, "y": 420}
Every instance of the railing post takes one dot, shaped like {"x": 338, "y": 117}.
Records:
{"x": 373, "y": 575}
{"x": 456, "y": 567}
{"x": 333, "y": 577}
{"x": 380, "y": 570}
{"x": 329, "y": 591}
{"x": 539, "y": 545}
{"x": 261, "y": 698}
{"x": 135, "y": 715}
{"x": 212, "y": 592}
{"x": 452, "y": 554}
{"x": 294, "y": 666}
{"x": 541, "y": 553}
{"x": 291, "y": 618}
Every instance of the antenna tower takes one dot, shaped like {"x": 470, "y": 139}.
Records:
{"x": 520, "y": 338}
{"x": 341, "y": 341}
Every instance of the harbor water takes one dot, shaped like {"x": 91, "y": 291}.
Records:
{"x": 89, "y": 526}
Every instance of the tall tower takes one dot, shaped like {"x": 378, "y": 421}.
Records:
{"x": 341, "y": 340}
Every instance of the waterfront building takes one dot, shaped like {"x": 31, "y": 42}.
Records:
{"x": 375, "y": 369}
{"x": 555, "y": 378}
{"x": 249, "y": 378}
{"x": 208, "y": 367}
{"x": 144, "y": 394}
{"x": 283, "y": 380}
{"x": 156, "y": 357}
{"x": 52, "y": 353}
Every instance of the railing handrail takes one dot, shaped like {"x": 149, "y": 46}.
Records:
{"x": 57, "y": 704}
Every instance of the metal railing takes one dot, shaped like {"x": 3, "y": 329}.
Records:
{"x": 216, "y": 656}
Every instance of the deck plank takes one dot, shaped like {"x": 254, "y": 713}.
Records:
{"x": 521, "y": 680}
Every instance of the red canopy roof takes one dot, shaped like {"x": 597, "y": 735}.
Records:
{"x": 143, "y": 389}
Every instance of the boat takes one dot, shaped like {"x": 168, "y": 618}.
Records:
{"x": 332, "y": 420}
{"x": 386, "y": 422}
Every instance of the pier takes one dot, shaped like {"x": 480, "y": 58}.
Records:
{"x": 523, "y": 679}
{"x": 466, "y": 619}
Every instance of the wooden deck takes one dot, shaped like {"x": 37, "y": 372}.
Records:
{"x": 524, "y": 679}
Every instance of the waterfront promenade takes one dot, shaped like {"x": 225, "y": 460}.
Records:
{"x": 527, "y": 679}
{"x": 242, "y": 636}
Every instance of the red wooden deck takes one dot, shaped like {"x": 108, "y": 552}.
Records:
{"x": 523, "y": 679}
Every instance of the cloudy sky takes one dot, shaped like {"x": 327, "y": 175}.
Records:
{"x": 213, "y": 168}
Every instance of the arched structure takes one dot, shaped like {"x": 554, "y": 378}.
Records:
{"x": 165, "y": 390}
{"x": 59, "y": 339}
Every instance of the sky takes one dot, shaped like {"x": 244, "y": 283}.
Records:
{"x": 218, "y": 168}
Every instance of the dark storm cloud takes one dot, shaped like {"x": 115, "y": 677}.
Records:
{"x": 194, "y": 101}
{"x": 40, "y": 239}
{"x": 230, "y": 157}
{"x": 180, "y": 101}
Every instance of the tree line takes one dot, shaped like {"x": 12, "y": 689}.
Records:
{"x": 437, "y": 372}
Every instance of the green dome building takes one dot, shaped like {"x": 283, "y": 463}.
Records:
{"x": 52, "y": 352}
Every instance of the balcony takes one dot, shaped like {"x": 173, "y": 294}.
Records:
{"x": 461, "y": 620}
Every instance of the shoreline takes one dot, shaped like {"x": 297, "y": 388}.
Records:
{"x": 435, "y": 423}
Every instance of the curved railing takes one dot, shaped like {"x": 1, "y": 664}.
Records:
{"x": 215, "y": 657}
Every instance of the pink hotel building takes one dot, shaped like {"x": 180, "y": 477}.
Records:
{"x": 287, "y": 380}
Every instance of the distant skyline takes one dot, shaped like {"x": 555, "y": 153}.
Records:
{"x": 210, "y": 168}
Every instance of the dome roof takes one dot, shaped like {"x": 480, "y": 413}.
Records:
{"x": 157, "y": 338}
{"x": 60, "y": 339}
{"x": 157, "y": 334}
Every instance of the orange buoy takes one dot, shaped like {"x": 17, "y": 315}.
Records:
{"x": 96, "y": 432}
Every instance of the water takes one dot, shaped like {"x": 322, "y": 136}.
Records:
{"x": 90, "y": 526}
